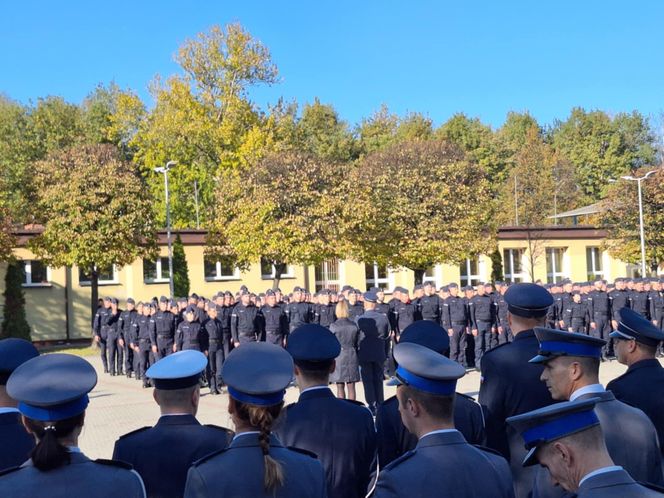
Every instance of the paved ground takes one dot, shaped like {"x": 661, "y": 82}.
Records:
{"x": 119, "y": 405}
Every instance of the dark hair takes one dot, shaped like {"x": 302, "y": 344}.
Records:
{"x": 49, "y": 454}
{"x": 437, "y": 406}
{"x": 263, "y": 417}
{"x": 315, "y": 371}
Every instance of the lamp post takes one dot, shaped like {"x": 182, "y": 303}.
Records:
{"x": 165, "y": 170}
{"x": 643, "y": 239}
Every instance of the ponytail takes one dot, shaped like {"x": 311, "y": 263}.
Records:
{"x": 263, "y": 417}
{"x": 49, "y": 453}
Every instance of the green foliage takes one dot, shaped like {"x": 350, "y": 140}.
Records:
{"x": 378, "y": 131}
{"x": 496, "y": 266}
{"x": 323, "y": 134}
{"x": 14, "y": 322}
{"x": 180, "y": 269}
{"x": 416, "y": 204}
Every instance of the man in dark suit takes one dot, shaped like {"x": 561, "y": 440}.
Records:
{"x": 16, "y": 442}
{"x": 393, "y": 438}
{"x": 339, "y": 431}
{"x": 162, "y": 454}
{"x": 635, "y": 344}
{"x": 442, "y": 463}
{"x": 571, "y": 372}
{"x": 509, "y": 384}
{"x": 567, "y": 439}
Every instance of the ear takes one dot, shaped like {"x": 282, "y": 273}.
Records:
{"x": 154, "y": 396}
{"x": 231, "y": 406}
{"x": 27, "y": 428}
{"x": 333, "y": 367}
{"x": 562, "y": 451}
{"x": 196, "y": 396}
{"x": 631, "y": 347}
{"x": 575, "y": 371}
{"x": 297, "y": 370}
{"x": 509, "y": 319}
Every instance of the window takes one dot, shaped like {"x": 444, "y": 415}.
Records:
{"x": 222, "y": 269}
{"x": 554, "y": 264}
{"x": 469, "y": 272}
{"x": 155, "y": 271}
{"x": 327, "y": 275}
{"x": 36, "y": 273}
{"x": 594, "y": 263}
{"x": 513, "y": 261}
{"x": 108, "y": 275}
{"x": 268, "y": 270}
{"x": 376, "y": 276}
{"x": 429, "y": 275}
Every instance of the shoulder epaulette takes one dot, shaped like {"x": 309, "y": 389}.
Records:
{"x": 207, "y": 457}
{"x": 220, "y": 428}
{"x": 4, "y": 472}
{"x": 652, "y": 486}
{"x": 467, "y": 397}
{"x": 304, "y": 452}
{"x": 400, "y": 460}
{"x": 486, "y": 449}
{"x": 134, "y": 432}
{"x": 496, "y": 348}
{"x": 355, "y": 402}
{"x": 114, "y": 463}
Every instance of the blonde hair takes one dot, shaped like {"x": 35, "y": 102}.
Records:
{"x": 342, "y": 309}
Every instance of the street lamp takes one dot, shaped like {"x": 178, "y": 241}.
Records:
{"x": 165, "y": 170}
{"x": 643, "y": 239}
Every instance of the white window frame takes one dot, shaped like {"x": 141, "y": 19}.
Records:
{"x": 326, "y": 283}
{"x": 375, "y": 281}
{"x": 87, "y": 283}
{"x": 290, "y": 272}
{"x": 219, "y": 277}
{"x": 596, "y": 257}
{"x": 557, "y": 274}
{"x": 27, "y": 272}
{"x": 469, "y": 277}
{"x": 511, "y": 277}
{"x": 160, "y": 265}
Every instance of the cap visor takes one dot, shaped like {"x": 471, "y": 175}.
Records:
{"x": 616, "y": 334}
{"x": 530, "y": 459}
{"x": 394, "y": 382}
{"x": 539, "y": 359}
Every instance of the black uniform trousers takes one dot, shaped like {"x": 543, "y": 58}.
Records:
{"x": 602, "y": 330}
{"x": 144, "y": 350}
{"x": 130, "y": 362}
{"x": 458, "y": 343}
{"x": 371, "y": 373}
{"x": 483, "y": 340}
{"x": 215, "y": 361}
{"x": 164, "y": 346}
{"x": 578, "y": 326}
{"x": 115, "y": 353}
{"x": 103, "y": 352}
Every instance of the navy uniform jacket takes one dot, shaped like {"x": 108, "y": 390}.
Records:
{"x": 191, "y": 335}
{"x": 16, "y": 442}
{"x": 324, "y": 314}
{"x": 163, "y": 454}
{"x": 429, "y": 308}
{"x": 619, "y": 300}
{"x": 403, "y": 314}
{"x": 376, "y": 331}
{"x": 394, "y": 439}
{"x": 629, "y": 388}
{"x": 273, "y": 321}
{"x": 640, "y": 302}
{"x": 616, "y": 484}
{"x": 237, "y": 472}
{"x": 83, "y": 477}
{"x": 124, "y": 324}
{"x": 355, "y": 310}
{"x": 342, "y": 435}
{"x": 511, "y": 386}
{"x": 482, "y": 309}
{"x": 245, "y": 323}
{"x": 298, "y": 314}
{"x": 444, "y": 464}
{"x": 599, "y": 304}
{"x": 163, "y": 325}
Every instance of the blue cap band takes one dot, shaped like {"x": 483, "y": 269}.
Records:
{"x": 559, "y": 427}
{"x": 55, "y": 412}
{"x": 441, "y": 387}
{"x": 258, "y": 399}
{"x": 571, "y": 348}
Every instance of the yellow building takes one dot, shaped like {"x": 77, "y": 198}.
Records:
{"x": 58, "y": 299}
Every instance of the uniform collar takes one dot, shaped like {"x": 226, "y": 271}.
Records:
{"x": 612, "y": 475}
{"x": 316, "y": 392}
{"x": 8, "y": 409}
{"x": 591, "y": 389}
{"x": 649, "y": 363}
{"x": 250, "y": 439}
{"x": 524, "y": 334}
{"x": 178, "y": 419}
{"x": 440, "y": 438}
{"x": 439, "y": 431}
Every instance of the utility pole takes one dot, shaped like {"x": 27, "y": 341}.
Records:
{"x": 165, "y": 170}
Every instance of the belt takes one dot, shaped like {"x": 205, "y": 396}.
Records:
{"x": 160, "y": 336}
{"x": 602, "y": 313}
{"x": 459, "y": 323}
{"x": 215, "y": 340}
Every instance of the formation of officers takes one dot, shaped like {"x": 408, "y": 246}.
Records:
{"x": 544, "y": 425}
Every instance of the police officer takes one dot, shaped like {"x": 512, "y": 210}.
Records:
{"x": 429, "y": 304}
{"x": 224, "y": 316}
{"x": 566, "y": 299}
{"x": 324, "y": 310}
{"x": 576, "y": 314}
{"x": 552, "y": 317}
{"x": 52, "y": 394}
{"x": 100, "y": 329}
{"x": 657, "y": 304}
{"x": 442, "y": 463}
{"x": 16, "y": 442}
{"x": 639, "y": 299}
{"x": 245, "y": 325}
{"x": 212, "y": 328}
{"x": 355, "y": 308}
{"x": 340, "y": 432}
{"x": 504, "y": 330}
{"x": 642, "y": 385}
{"x": 403, "y": 313}
{"x": 125, "y": 321}
{"x": 571, "y": 372}
{"x": 163, "y": 454}
{"x": 114, "y": 339}
{"x": 274, "y": 322}
{"x": 190, "y": 334}
{"x": 298, "y": 310}
{"x": 393, "y": 438}
{"x": 509, "y": 384}
{"x": 567, "y": 439}
{"x": 381, "y": 305}
{"x": 600, "y": 313}
{"x": 163, "y": 330}
{"x": 256, "y": 464}
{"x": 455, "y": 315}
{"x": 483, "y": 323}
{"x": 144, "y": 341}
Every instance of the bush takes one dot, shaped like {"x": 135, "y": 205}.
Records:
{"x": 180, "y": 269}
{"x": 14, "y": 323}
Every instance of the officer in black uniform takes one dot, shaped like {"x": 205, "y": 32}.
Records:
{"x": 504, "y": 330}
{"x": 355, "y": 308}
{"x": 245, "y": 322}
{"x": 509, "y": 384}
{"x": 657, "y": 304}
{"x": 324, "y": 310}
{"x": 600, "y": 313}
{"x": 163, "y": 454}
{"x": 100, "y": 329}
{"x": 163, "y": 330}
{"x": 381, "y": 305}
{"x": 16, "y": 442}
{"x": 429, "y": 304}
{"x": 124, "y": 326}
{"x": 455, "y": 315}
{"x": 191, "y": 334}
{"x": 274, "y": 323}
{"x": 403, "y": 313}
{"x": 224, "y": 316}
{"x": 552, "y": 318}
{"x": 145, "y": 341}
{"x": 212, "y": 328}
{"x": 576, "y": 314}
{"x": 298, "y": 311}
{"x": 483, "y": 323}
{"x": 639, "y": 300}
{"x": 565, "y": 299}
{"x": 394, "y": 439}
{"x": 339, "y": 431}
{"x": 114, "y": 340}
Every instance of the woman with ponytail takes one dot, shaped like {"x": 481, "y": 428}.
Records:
{"x": 256, "y": 464}
{"x": 52, "y": 394}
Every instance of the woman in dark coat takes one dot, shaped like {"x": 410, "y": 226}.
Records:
{"x": 347, "y": 371}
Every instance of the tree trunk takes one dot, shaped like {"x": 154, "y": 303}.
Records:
{"x": 94, "y": 293}
{"x": 279, "y": 270}
{"x": 419, "y": 275}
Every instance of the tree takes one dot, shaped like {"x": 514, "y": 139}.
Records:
{"x": 325, "y": 135}
{"x": 14, "y": 323}
{"x": 415, "y": 204}
{"x": 180, "y": 269}
{"x": 621, "y": 218}
{"x": 284, "y": 210}
{"x": 95, "y": 210}
{"x": 377, "y": 131}
{"x": 496, "y": 266}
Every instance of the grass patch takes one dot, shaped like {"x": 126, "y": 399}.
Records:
{"x": 78, "y": 349}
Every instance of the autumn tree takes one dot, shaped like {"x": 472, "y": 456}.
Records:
{"x": 14, "y": 322}
{"x": 95, "y": 210}
{"x": 415, "y": 204}
{"x": 621, "y": 218}
{"x": 180, "y": 269}
{"x": 284, "y": 210}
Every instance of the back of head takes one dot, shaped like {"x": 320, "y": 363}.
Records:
{"x": 341, "y": 310}
{"x": 50, "y": 453}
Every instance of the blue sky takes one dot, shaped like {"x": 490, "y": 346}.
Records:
{"x": 483, "y": 58}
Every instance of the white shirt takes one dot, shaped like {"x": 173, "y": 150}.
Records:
{"x": 8, "y": 409}
{"x": 439, "y": 431}
{"x": 591, "y": 389}
{"x": 313, "y": 389}
{"x": 603, "y": 470}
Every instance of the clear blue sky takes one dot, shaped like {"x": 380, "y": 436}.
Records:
{"x": 483, "y": 58}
